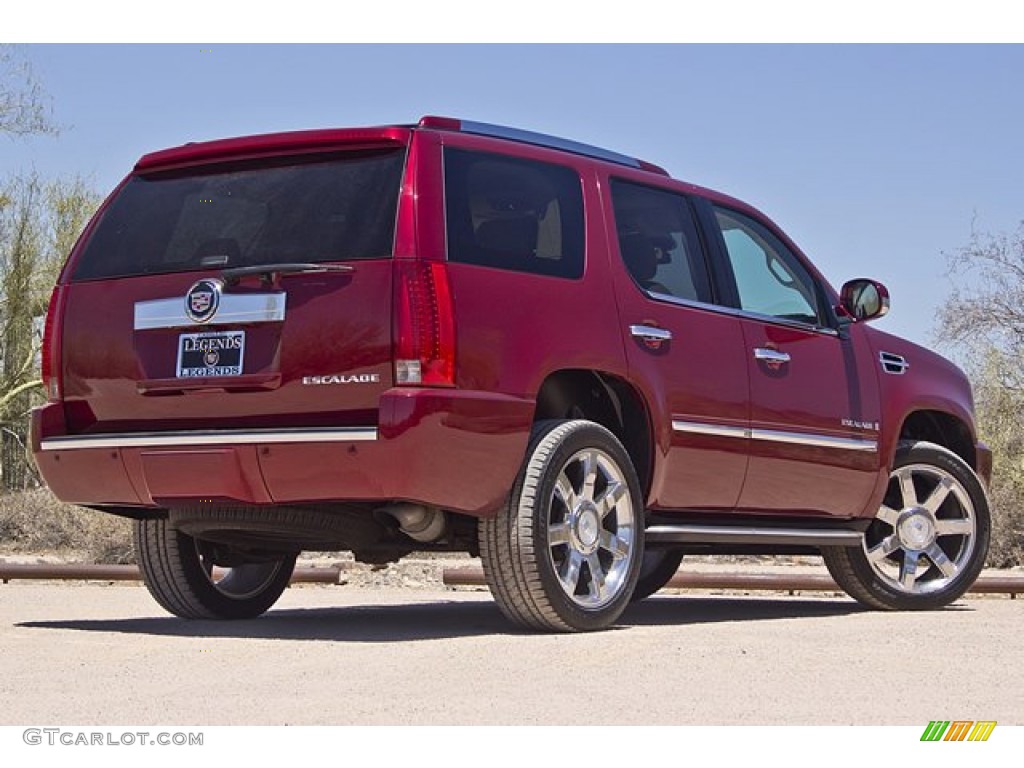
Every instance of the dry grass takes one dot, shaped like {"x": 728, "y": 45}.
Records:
{"x": 35, "y": 522}
{"x": 1007, "y": 548}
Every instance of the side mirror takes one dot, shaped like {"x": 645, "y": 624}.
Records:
{"x": 864, "y": 299}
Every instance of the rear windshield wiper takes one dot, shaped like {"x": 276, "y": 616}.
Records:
{"x": 267, "y": 271}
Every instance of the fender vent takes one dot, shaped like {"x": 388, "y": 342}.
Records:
{"x": 894, "y": 364}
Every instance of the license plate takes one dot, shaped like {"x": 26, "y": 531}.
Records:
{"x": 211, "y": 354}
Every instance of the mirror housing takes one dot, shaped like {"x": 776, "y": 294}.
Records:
{"x": 864, "y": 299}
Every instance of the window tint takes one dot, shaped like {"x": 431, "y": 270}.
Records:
{"x": 770, "y": 279}
{"x": 267, "y": 212}
{"x": 658, "y": 241}
{"x": 513, "y": 214}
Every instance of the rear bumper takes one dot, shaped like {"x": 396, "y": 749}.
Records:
{"x": 456, "y": 449}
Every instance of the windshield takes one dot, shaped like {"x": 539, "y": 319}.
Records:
{"x": 283, "y": 210}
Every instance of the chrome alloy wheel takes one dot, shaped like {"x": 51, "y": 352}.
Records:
{"x": 925, "y": 531}
{"x": 591, "y": 529}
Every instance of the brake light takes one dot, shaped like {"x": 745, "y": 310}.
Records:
{"x": 424, "y": 324}
{"x": 50, "y": 356}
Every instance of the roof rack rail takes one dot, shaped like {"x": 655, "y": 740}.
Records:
{"x": 537, "y": 139}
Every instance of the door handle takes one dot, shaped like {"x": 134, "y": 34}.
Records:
{"x": 771, "y": 355}
{"x": 650, "y": 333}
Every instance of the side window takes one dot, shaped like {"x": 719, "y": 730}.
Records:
{"x": 658, "y": 241}
{"x": 770, "y": 279}
{"x": 511, "y": 213}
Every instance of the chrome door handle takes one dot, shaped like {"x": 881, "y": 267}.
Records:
{"x": 650, "y": 333}
{"x": 771, "y": 355}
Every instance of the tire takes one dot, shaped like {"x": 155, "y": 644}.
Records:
{"x": 656, "y": 568}
{"x": 929, "y": 540}
{"x": 178, "y": 572}
{"x": 564, "y": 553}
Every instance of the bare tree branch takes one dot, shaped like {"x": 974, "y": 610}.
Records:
{"x": 24, "y": 106}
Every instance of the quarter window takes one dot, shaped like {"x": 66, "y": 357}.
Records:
{"x": 512, "y": 213}
{"x": 770, "y": 279}
{"x": 658, "y": 242}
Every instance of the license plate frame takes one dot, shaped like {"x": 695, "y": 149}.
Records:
{"x": 210, "y": 354}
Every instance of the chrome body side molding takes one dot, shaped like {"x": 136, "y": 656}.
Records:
{"x": 818, "y": 441}
{"x": 714, "y": 430}
{"x": 209, "y": 437}
{"x": 777, "y": 436}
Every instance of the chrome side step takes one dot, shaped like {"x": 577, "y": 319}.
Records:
{"x": 723, "y": 534}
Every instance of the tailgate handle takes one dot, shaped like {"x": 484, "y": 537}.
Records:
{"x": 252, "y": 382}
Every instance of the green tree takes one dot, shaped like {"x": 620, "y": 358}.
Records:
{"x": 39, "y": 223}
{"x": 984, "y": 320}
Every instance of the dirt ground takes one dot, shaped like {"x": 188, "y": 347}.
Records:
{"x": 85, "y": 654}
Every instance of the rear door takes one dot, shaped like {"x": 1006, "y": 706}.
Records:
{"x": 187, "y": 308}
{"x": 686, "y": 353}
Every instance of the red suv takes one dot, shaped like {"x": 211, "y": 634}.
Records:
{"x": 462, "y": 337}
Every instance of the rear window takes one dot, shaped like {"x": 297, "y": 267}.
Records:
{"x": 511, "y": 213}
{"x": 287, "y": 210}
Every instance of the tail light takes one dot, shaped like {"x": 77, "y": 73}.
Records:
{"x": 424, "y": 324}
{"x": 50, "y": 357}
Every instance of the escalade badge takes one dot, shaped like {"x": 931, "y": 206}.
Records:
{"x": 338, "y": 378}
{"x": 203, "y": 300}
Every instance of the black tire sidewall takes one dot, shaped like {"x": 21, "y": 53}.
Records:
{"x": 668, "y": 561}
{"x": 223, "y": 605}
{"x": 584, "y": 435}
{"x": 172, "y": 570}
{"x": 934, "y": 455}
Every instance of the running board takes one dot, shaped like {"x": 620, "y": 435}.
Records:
{"x": 712, "y": 534}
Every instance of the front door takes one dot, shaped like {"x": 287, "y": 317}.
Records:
{"x": 814, "y": 403}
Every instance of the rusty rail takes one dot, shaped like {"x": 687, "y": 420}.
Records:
{"x": 87, "y": 572}
{"x": 1011, "y": 585}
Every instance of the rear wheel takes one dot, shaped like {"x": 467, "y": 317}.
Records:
{"x": 929, "y": 539}
{"x": 564, "y": 553}
{"x": 657, "y": 568}
{"x": 178, "y": 571}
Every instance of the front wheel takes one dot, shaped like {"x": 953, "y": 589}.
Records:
{"x": 178, "y": 571}
{"x": 929, "y": 539}
{"x": 564, "y": 553}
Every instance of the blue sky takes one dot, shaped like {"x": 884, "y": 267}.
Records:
{"x": 876, "y": 160}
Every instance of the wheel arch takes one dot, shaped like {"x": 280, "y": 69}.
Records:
{"x": 607, "y": 399}
{"x": 942, "y": 428}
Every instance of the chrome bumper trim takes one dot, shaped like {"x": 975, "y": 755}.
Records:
{"x": 209, "y": 437}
